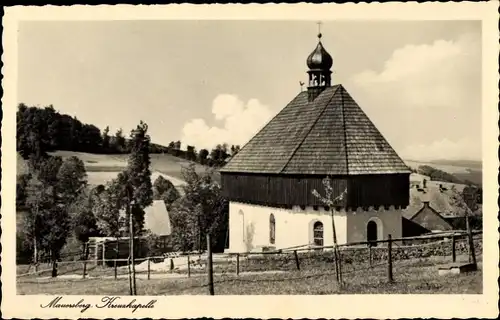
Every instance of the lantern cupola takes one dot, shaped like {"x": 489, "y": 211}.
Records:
{"x": 319, "y": 63}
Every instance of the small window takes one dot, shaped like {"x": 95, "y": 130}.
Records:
{"x": 318, "y": 233}
{"x": 272, "y": 229}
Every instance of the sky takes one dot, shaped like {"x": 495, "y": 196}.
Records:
{"x": 208, "y": 82}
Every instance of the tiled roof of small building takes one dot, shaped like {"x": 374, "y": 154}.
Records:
{"x": 329, "y": 136}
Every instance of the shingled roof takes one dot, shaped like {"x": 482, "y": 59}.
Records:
{"x": 329, "y": 136}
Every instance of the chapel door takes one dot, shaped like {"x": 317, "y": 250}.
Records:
{"x": 371, "y": 232}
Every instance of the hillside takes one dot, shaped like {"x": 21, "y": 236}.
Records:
{"x": 439, "y": 194}
{"x": 102, "y": 168}
{"x": 462, "y": 169}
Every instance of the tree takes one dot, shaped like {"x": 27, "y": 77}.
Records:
{"x": 235, "y": 150}
{"x": 55, "y": 231}
{"x": 84, "y": 221}
{"x": 467, "y": 208}
{"x": 46, "y": 169}
{"x": 139, "y": 174}
{"x": 120, "y": 140}
{"x": 107, "y": 205}
{"x": 202, "y": 210}
{"x": 47, "y": 222}
{"x": 202, "y": 156}
{"x": 105, "y": 139}
{"x": 40, "y": 130}
{"x": 170, "y": 196}
{"x": 177, "y": 145}
{"x": 71, "y": 179}
{"x": 219, "y": 155}
{"x": 53, "y": 187}
{"x": 160, "y": 186}
{"x": 191, "y": 153}
{"x": 332, "y": 201}
{"x": 21, "y": 186}
{"x": 165, "y": 190}
{"x": 36, "y": 201}
{"x": 184, "y": 232}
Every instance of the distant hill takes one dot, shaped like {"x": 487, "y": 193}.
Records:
{"x": 472, "y": 164}
{"x": 463, "y": 170}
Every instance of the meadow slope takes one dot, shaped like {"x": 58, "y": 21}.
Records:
{"x": 172, "y": 166}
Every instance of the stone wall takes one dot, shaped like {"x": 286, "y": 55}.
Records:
{"x": 356, "y": 257}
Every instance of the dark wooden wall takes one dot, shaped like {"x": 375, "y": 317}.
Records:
{"x": 286, "y": 191}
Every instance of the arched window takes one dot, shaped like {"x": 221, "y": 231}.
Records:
{"x": 372, "y": 232}
{"x": 318, "y": 233}
{"x": 272, "y": 229}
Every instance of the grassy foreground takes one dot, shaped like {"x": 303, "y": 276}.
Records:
{"x": 407, "y": 279}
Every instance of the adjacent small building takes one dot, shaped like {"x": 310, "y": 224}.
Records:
{"x": 425, "y": 220}
{"x": 156, "y": 223}
{"x": 321, "y": 133}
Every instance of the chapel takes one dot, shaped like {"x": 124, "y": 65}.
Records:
{"x": 322, "y": 132}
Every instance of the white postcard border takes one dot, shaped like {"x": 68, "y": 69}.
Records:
{"x": 340, "y": 306}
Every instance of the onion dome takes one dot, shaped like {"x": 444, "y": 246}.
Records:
{"x": 319, "y": 58}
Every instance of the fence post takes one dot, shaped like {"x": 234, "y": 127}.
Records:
{"x": 389, "y": 258}
{"x": 237, "y": 264}
{"x": 103, "y": 253}
{"x": 85, "y": 258}
{"x": 297, "y": 262}
{"x": 171, "y": 264}
{"x": 115, "y": 267}
{"x": 84, "y": 268}
{"x": 370, "y": 255}
{"x": 149, "y": 268}
{"x": 472, "y": 252}
{"x": 453, "y": 248}
{"x": 210, "y": 267}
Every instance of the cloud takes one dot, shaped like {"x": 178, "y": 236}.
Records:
{"x": 427, "y": 98}
{"x": 440, "y": 74}
{"x": 464, "y": 149}
{"x": 240, "y": 122}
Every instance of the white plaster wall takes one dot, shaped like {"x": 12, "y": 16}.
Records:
{"x": 293, "y": 227}
{"x": 388, "y": 222}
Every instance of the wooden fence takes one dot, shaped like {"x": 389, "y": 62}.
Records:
{"x": 293, "y": 258}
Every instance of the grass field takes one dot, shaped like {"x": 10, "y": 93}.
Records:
{"x": 409, "y": 278}
{"x": 102, "y": 168}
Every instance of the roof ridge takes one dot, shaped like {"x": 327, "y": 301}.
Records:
{"x": 344, "y": 129}
{"x": 374, "y": 127}
{"x": 258, "y": 132}
{"x": 308, "y": 131}
{"x": 431, "y": 208}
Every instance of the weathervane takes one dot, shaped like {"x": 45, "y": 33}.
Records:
{"x": 301, "y": 85}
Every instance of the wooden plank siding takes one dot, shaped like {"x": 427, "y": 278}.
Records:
{"x": 290, "y": 190}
